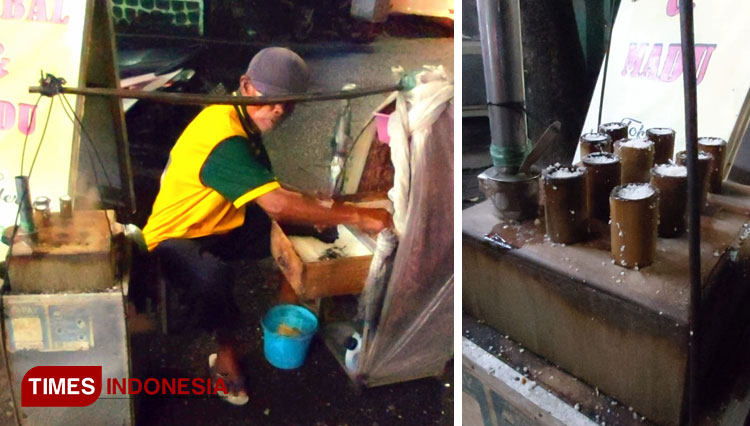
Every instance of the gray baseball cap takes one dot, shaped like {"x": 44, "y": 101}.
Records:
{"x": 277, "y": 71}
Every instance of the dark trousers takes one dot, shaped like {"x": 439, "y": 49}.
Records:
{"x": 202, "y": 267}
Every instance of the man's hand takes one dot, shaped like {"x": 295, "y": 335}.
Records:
{"x": 373, "y": 221}
{"x": 292, "y": 207}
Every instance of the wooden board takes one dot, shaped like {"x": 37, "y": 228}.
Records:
{"x": 313, "y": 280}
{"x": 73, "y": 255}
{"x": 104, "y": 122}
{"x": 378, "y": 172}
{"x": 368, "y": 167}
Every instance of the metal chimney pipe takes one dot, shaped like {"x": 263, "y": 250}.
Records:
{"x": 500, "y": 34}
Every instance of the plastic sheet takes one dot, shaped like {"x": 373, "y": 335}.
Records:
{"x": 412, "y": 329}
{"x": 373, "y": 293}
{"x": 411, "y": 127}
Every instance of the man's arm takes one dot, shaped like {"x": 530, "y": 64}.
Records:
{"x": 292, "y": 207}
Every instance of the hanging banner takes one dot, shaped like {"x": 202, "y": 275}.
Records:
{"x": 36, "y": 35}
{"x": 644, "y": 85}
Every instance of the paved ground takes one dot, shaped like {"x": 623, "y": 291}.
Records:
{"x": 318, "y": 393}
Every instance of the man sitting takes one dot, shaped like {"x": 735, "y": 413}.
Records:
{"x": 218, "y": 194}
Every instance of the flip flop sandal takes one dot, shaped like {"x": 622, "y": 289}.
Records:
{"x": 237, "y": 395}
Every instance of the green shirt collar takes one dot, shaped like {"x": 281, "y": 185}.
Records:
{"x": 247, "y": 123}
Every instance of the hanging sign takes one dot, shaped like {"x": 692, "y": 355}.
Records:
{"x": 36, "y": 35}
{"x": 644, "y": 85}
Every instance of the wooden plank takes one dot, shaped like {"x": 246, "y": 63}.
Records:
{"x": 80, "y": 100}
{"x": 314, "y": 280}
{"x": 734, "y": 198}
{"x": 71, "y": 255}
{"x": 285, "y": 256}
{"x": 355, "y": 163}
{"x": 103, "y": 118}
{"x": 378, "y": 172}
{"x": 335, "y": 277}
{"x": 87, "y": 232}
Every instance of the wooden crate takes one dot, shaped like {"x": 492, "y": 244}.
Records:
{"x": 368, "y": 176}
{"x": 316, "y": 279}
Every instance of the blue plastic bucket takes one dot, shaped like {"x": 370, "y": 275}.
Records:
{"x": 288, "y": 351}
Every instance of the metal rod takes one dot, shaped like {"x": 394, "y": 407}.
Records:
{"x": 606, "y": 64}
{"x": 502, "y": 60}
{"x": 200, "y": 99}
{"x": 694, "y": 204}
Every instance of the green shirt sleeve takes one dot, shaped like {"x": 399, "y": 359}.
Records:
{"x": 236, "y": 166}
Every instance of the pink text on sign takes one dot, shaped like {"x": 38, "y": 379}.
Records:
{"x": 648, "y": 64}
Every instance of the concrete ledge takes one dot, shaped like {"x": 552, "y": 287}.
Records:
{"x": 495, "y": 394}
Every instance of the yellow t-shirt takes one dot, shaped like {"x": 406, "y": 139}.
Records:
{"x": 216, "y": 167}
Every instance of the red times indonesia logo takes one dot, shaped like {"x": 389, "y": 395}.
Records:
{"x": 80, "y": 386}
{"x": 61, "y": 386}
